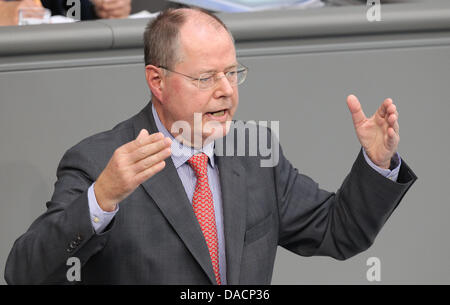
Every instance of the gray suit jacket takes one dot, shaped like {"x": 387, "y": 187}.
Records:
{"x": 156, "y": 239}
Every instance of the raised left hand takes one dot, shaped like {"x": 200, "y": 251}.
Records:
{"x": 379, "y": 134}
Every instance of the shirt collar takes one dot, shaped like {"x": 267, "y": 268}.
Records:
{"x": 180, "y": 152}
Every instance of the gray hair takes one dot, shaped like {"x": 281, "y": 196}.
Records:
{"x": 161, "y": 36}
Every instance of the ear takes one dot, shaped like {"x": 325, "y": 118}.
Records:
{"x": 155, "y": 82}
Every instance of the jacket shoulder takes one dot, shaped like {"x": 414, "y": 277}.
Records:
{"x": 96, "y": 150}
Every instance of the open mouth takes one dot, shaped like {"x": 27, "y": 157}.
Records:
{"x": 220, "y": 115}
{"x": 217, "y": 113}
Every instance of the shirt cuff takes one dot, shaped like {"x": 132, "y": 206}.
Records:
{"x": 99, "y": 218}
{"x": 392, "y": 172}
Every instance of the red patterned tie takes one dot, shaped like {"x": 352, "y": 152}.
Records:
{"x": 204, "y": 209}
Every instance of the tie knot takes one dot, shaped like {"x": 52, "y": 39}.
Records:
{"x": 199, "y": 164}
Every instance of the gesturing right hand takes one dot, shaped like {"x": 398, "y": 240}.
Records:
{"x": 131, "y": 164}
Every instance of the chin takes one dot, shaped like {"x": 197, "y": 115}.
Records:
{"x": 214, "y": 130}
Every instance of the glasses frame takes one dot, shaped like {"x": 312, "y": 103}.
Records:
{"x": 240, "y": 68}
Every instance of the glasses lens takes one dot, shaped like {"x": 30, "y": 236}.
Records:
{"x": 206, "y": 81}
{"x": 241, "y": 75}
{"x": 234, "y": 77}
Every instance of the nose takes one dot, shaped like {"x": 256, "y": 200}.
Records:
{"x": 223, "y": 88}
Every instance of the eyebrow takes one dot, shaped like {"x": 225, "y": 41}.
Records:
{"x": 215, "y": 71}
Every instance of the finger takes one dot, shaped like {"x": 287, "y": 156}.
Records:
{"x": 24, "y": 4}
{"x": 143, "y": 134}
{"x": 121, "y": 11}
{"x": 118, "y": 13}
{"x": 98, "y": 4}
{"x": 392, "y": 115}
{"x": 146, "y": 174}
{"x": 382, "y": 110}
{"x": 396, "y": 128}
{"x": 113, "y": 5}
{"x": 29, "y": 3}
{"x": 391, "y": 109}
{"x": 101, "y": 13}
{"x": 392, "y": 119}
{"x": 392, "y": 139}
{"x": 142, "y": 139}
{"x": 150, "y": 149}
{"x": 354, "y": 106}
{"x": 148, "y": 162}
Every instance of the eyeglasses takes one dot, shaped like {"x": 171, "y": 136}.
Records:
{"x": 235, "y": 76}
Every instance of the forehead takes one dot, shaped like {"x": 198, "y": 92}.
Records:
{"x": 205, "y": 44}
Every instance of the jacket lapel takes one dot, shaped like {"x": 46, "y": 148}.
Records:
{"x": 234, "y": 203}
{"x": 167, "y": 190}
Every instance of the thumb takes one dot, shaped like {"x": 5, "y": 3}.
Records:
{"x": 354, "y": 106}
{"x": 142, "y": 135}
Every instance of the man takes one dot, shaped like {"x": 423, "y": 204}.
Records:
{"x": 133, "y": 215}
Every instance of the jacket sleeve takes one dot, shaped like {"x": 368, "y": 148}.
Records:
{"x": 342, "y": 224}
{"x": 65, "y": 230}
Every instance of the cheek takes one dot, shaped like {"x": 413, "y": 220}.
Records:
{"x": 235, "y": 102}
{"x": 180, "y": 100}
{"x": 175, "y": 92}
